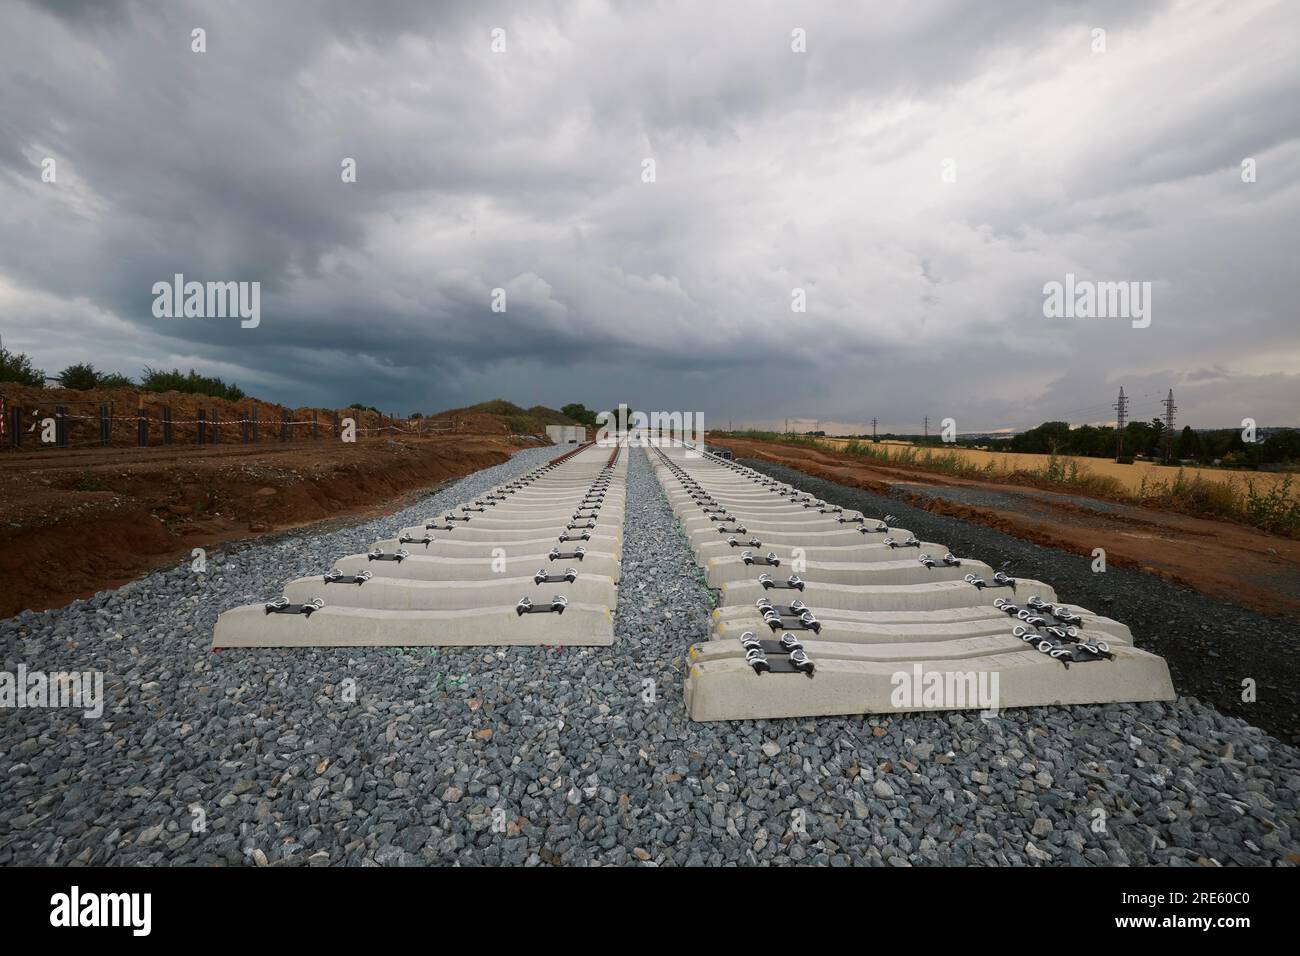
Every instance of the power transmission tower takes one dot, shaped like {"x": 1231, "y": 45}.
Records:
{"x": 1170, "y": 408}
{"x": 927, "y": 427}
{"x": 787, "y": 426}
{"x": 873, "y": 429}
{"x": 1121, "y": 419}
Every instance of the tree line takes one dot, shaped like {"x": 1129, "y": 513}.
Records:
{"x": 17, "y": 367}
{"x": 1224, "y": 445}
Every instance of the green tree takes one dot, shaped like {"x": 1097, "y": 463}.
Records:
{"x": 113, "y": 380}
{"x": 1138, "y": 438}
{"x": 1157, "y": 447}
{"x": 1086, "y": 440}
{"x": 580, "y": 413}
{"x": 1046, "y": 438}
{"x": 17, "y": 367}
{"x": 1282, "y": 446}
{"x": 1189, "y": 444}
{"x": 81, "y": 376}
{"x": 160, "y": 380}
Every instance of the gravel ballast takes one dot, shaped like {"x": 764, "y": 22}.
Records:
{"x": 572, "y": 756}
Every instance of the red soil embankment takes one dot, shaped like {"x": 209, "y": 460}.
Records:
{"x": 77, "y": 521}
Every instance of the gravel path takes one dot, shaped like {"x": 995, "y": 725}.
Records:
{"x": 1017, "y": 500}
{"x": 529, "y": 755}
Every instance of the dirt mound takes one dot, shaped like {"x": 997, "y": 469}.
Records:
{"x": 501, "y": 417}
{"x": 97, "y": 509}
{"x": 223, "y": 420}
{"x": 76, "y": 522}
{"x": 89, "y": 416}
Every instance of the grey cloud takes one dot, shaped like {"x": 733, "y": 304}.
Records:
{"x": 522, "y": 171}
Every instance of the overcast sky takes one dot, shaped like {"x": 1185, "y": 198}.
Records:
{"x": 774, "y": 170}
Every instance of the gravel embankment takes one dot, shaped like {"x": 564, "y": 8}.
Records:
{"x": 587, "y": 765}
{"x": 1211, "y": 646}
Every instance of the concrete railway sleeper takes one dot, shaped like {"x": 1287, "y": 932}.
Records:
{"x": 486, "y": 565}
{"x": 506, "y": 553}
{"x": 409, "y": 594}
{"x": 786, "y": 553}
{"x": 612, "y": 530}
{"x": 740, "y": 569}
{"x": 827, "y": 612}
{"x": 845, "y": 625}
{"x": 341, "y": 626}
{"x": 768, "y": 538}
{"x": 535, "y": 560}
{"x": 929, "y": 596}
{"x": 471, "y": 542}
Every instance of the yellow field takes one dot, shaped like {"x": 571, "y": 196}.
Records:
{"x": 1130, "y": 475}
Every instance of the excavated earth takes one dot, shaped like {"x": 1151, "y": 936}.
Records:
{"x": 74, "y": 522}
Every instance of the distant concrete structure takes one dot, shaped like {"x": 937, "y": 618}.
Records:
{"x": 566, "y": 434}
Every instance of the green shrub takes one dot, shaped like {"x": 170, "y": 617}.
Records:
{"x": 158, "y": 380}
{"x": 1275, "y": 509}
{"x": 1222, "y": 499}
{"x": 577, "y": 412}
{"x": 17, "y": 367}
{"x": 81, "y": 376}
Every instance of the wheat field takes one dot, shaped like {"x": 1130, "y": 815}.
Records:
{"x": 1130, "y": 476}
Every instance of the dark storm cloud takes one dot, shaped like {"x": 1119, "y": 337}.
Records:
{"x": 775, "y": 170}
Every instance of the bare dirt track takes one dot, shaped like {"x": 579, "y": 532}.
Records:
{"x": 76, "y": 522}
{"x": 1227, "y": 561}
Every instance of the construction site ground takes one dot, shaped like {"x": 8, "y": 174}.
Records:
{"x": 73, "y": 522}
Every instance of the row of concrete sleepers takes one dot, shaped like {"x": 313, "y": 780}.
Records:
{"x": 822, "y": 611}
{"x": 533, "y": 561}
